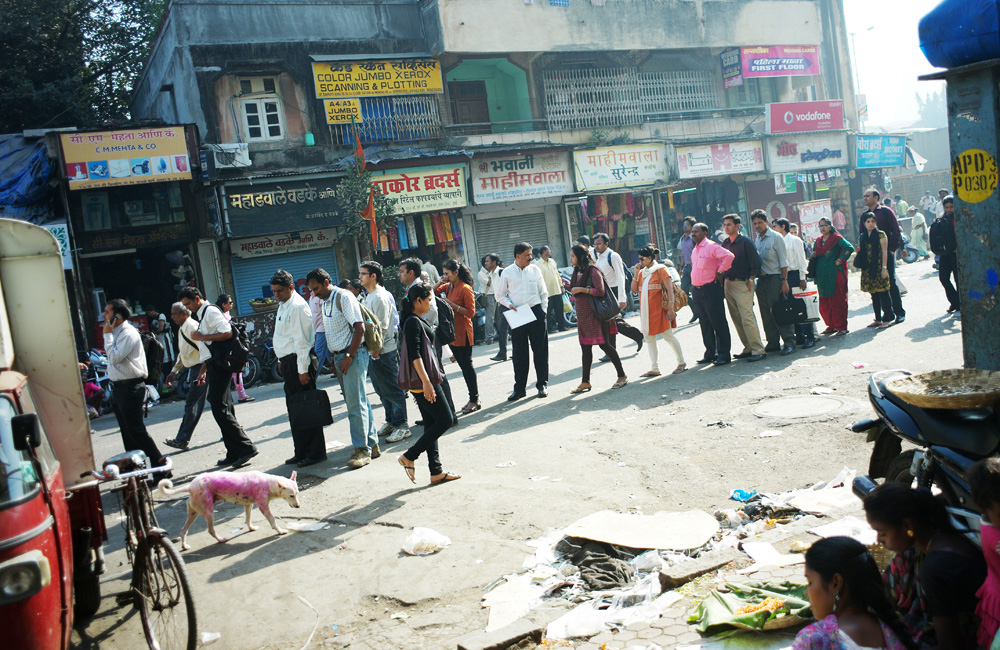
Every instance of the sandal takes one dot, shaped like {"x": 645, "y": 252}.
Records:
{"x": 620, "y": 383}
{"x": 830, "y": 330}
{"x": 679, "y": 369}
{"x": 244, "y": 400}
{"x": 411, "y": 470}
{"x": 582, "y": 388}
{"x": 448, "y": 476}
{"x": 650, "y": 373}
{"x": 875, "y": 323}
{"x": 471, "y": 407}
{"x": 886, "y": 325}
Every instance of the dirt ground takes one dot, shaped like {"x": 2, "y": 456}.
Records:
{"x": 669, "y": 443}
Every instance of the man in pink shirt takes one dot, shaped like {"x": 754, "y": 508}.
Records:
{"x": 709, "y": 261}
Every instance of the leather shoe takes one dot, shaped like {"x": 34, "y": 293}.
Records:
{"x": 742, "y": 355}
{"x": 294, "y": 460}
{"x": 808, "y": 344}
{"x": 755, "y": 357}
{"x": 772, "y": 348}
{"x": 306, "y": 462}
{"x": 639, "y": 343}
{"x": 604, "y": 359}
{"x": 513, "y": 397}
{"x": 694, "y": 319}
{"x": 499, "y": 358}
{"x": 543, "y": 391}
{"x": 706, "y": 360}
{"x": 788, "y": 349}
{"x": 243, "y": 460}
{"x": 721, "y": 361}
{"x": 900, "y": 319}
{"x": 224, "y": 462}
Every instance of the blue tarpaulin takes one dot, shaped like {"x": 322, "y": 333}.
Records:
{"x": 24, "y": 179}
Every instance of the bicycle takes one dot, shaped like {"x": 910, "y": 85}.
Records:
{"x": 159, "y": 587}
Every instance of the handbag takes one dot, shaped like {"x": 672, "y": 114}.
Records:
{"x": 812, "y": 267}
{"x": 407, "y": 378}
{"x": 309, "y": 409}
{"x": 680, "y": 297}
{"x": 605, "y": 307}
{"x": 789, "y": 310}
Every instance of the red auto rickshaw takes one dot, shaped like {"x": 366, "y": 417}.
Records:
{"x": 51, "y": 521}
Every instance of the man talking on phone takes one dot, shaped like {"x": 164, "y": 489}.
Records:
{"x": 127, "y": 372}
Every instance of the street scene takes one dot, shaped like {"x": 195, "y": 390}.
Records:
{"x": 500, "y": 325}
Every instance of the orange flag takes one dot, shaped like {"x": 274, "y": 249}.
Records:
{"x": 359, "y": 152}
{"x": 369, "y": 215}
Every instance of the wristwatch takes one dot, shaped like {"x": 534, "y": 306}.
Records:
{"x": 348, "y": 355}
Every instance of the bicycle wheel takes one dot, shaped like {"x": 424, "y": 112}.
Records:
{"x": 163, "y": 596}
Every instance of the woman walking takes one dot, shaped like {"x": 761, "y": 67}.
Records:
{"x": 650, "y": 280}
{"x": 589, "y": 281}
{"x": 456, "y": 288}
{"x": 225, "y": 303}
{"x": 830, "y": 257}
{"x": 433, "y": 405}
{"x": 873, "y": 259}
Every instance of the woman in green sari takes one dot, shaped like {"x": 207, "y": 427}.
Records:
{"x": 830, "y": 255}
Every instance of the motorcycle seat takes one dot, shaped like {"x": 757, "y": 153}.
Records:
{"x": 971, "y": 431}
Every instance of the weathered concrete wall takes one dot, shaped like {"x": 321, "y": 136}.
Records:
{"x": 476, "y": 26}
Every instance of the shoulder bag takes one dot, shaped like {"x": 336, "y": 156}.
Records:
{"x": 407, "y": 377}
{"x": 309, "y": 409}
{"x": 680, "y": 298}
{"x": 605, "y": 307}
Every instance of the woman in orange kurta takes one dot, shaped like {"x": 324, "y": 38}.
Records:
{"x": 456, "y": 289}
{"x": 649, "y": 280}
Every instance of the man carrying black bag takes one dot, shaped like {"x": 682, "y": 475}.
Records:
{"x": 294, "y": 339}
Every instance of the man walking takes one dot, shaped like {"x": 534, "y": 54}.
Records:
{"x": 944, "y": 244}
{"x": 212, "y": 333}
{"x": 322, "y": 352}
{"x": 709, "y": 262}
{"x": 487, "y": 279}
{"x": 939, "y": 204}
{"x": 685, "y": 245}
{"x": 384, "y": 368}
{"x": 345, "y": 334}
{"x": 188, "y": 361}
{"x": 739, "y": 288}
{"x": 886, "y": 221}
{"x": 523, "y": 288}
{"x": 294, "y": 340}
{"x": 613, "y": 268}
{"x": 127, "y": 372}
{"x": 927, "y": 202}
{"x": 554, "y": 285}
{"x": 772, "y": 284}
{"x": 795, "y": 251}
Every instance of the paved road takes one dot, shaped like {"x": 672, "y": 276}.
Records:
{"x": 670, "y": 443}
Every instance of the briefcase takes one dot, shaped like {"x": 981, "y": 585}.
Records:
{"x": 309, "y": 409}
{"x": 790, "y": 311}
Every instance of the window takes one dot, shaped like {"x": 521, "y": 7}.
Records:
{"x": 260, "y": 109}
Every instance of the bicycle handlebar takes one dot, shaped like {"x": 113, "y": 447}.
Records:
{"x": 102, "y": 476}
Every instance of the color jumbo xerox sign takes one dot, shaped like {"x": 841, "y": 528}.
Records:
{"x": 127, "y": 157}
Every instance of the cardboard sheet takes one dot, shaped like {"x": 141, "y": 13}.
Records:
{"x": 674, "y": 531}
{"x": 825, "y": 500}
{"x": 852, "y": 527}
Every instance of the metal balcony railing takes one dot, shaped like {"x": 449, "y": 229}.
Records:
{"x": 394, "y": 119}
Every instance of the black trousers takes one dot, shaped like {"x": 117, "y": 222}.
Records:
{"x": 463, "y": 355}
{"x": 803, "y": 331}
{"x": 625, "y": 330}
{"x": 555, "y": 314}
{"x": 948, "y": 268}
{"x": 536, "y": 336}
{"x": 710, "y": 305}
{"x": 126, "y": 401}
{"x": 894, "y": 297}
{"x": 438, "y": 418}
{"x": 503, "y": 331}
{"x": 224, "y": 411}
{"x": 307, "y": 443}
{"x": 445, "y": 386}
{"x": 882, "y": 306}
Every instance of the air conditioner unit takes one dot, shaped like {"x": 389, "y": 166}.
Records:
{"x": 230, "y": 155}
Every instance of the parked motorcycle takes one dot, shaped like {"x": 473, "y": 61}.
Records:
{"x": 907, "y": 252}
{"x": 97, "y": 363}
{"x": 948, "y": 441}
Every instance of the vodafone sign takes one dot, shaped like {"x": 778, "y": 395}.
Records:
{"x": 800, "y": 117}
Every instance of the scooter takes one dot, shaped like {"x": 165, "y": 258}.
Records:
{"x": 948, "y": 441}
{"x": 907, "y": 252}
{"x": 98, "y": 365}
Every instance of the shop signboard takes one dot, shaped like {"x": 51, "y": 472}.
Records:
{"x": 163, "y": 235}
{"x": 274, "y": 207}
{"x": 810, "y": 213}
{"x": 126, "y": 157}
{"x": 337, "y": 79}
{"x": 880, "y": 151}
{"x": 424, "y": 189}
{"x": 290, "y": 242}
{"x": 800, "y": 117}
{"x": 342, "y": 111}
{"x": 792, "y": 153}
{"x": 514, "y": 178}
{"x": 780, "y": 61}
{"x": 723, "y": 159}
{"x": 732, "y": 70}
{"x": 60, "y": 230}
{"x": 627, "y": 165}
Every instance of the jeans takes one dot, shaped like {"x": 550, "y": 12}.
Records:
{"x": 127, "y": 400}
{"x": 438, "y": 418}
{"x": 359, "y": 411}
{"x": 224, "y": 411}
{"x": 384, "y": 373}
{"x": 194, "y": 405}
{"x": 307, "y": 443}
{"x": 948, "y": 268}
{"x": 491, "y": 314}
{"x": 322, "y": 352}
{"x": 503, "y": 330}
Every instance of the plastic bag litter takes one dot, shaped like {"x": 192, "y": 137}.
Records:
{"x": 742, "y": 495}
{"x": 424, "y": 541}
{"x": 303, "y": 527}
{"x": 637, "y": 605}
{"x": 209, "y": 637}
{"x": 648, "y": 561}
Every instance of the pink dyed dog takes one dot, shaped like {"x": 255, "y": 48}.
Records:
{"x": 247, "y": 488}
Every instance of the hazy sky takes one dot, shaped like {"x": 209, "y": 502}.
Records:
{"x": 889, "y": 58}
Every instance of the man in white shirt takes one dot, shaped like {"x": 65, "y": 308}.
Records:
{"x": 345, "y": 335}
{"x": 927, "y": 201}
{"x": 939, "y": 205}
{"x": 188, "y": 362}
{"x": 613, "y": 268}
{"x": 554, "y": 285}
{"x": 322, "y": 353}
{"x": 384, "y": 369}
{"x": 523, "y": 287}
{"x": 431, "y": 271}
{"x": 294, "y": 340}
{"x": 486, "y": 281}
{"x": 795, "y": 254}
{"x": 212, "y": 333}
{"x": 127, "y": 372}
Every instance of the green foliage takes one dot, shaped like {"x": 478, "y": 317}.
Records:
{"x": 352, "y": 199}
{"x": 71, "y": 62}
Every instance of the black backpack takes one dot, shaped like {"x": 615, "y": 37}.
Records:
{"x": 233, "y": 353}
{"x": 445, "y": 332}
{"x": 937, "y": 237}
{"x": 153, "y": 351}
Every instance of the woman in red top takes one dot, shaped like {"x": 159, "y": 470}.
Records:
{"x": 589, "y": 281}
{"x": 456, "y": 289}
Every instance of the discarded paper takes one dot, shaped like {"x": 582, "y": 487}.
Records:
{"x": 674, "y": 531}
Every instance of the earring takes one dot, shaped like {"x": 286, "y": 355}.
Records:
{"x": 836, "y": 601}
{"x": 909, "y": 533}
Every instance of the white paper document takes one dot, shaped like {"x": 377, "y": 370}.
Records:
{"x": 522, "y": 316}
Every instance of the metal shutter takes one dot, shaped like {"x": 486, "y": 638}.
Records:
{"x": 252, "y": 277}
{"x": 498, "y": 235}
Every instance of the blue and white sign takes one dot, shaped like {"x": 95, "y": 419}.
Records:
{"x": 881, "y": 151}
